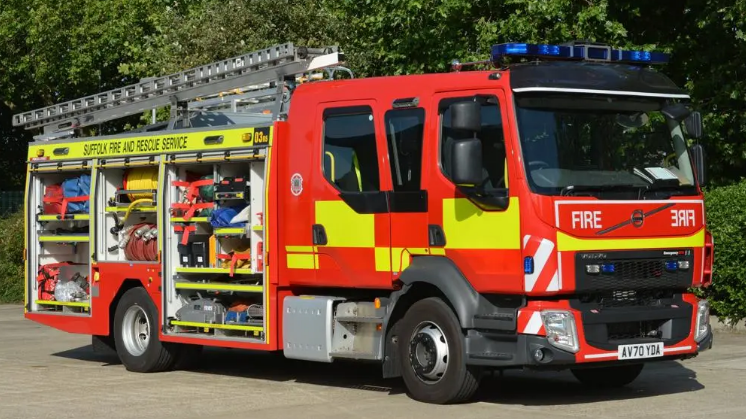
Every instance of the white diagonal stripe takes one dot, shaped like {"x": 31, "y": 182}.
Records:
{"x": 554, "y": 283}
{"x": 534, "y": 324}
{"x": 540, "y": 259}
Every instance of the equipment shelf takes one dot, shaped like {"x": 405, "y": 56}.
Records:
{"x": 191, "y": 220}
{"x": 122, "y": 210}
{"x": 81, "y": 304}
{"x": 218, "y": 286}
{"x": 218, "y": 326}
{"x": 240, "y": 271}
{"x": 230, "y": 231}
{"x": 67, "y": 217}
{"x": 64, "y": 239}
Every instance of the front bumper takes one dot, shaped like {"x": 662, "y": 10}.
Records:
{"x": 500, "y": 350}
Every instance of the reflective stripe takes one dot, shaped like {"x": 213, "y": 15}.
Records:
{"x": 546, "y": 273}
{"x": 530, "y": 323}
{"x": 568, "y": 243}
{"x": 300, "y": 261}
{"x": 344, "y": 227}
{"x": 468, "y": 227}
{"x": 299, "y": 249}
{"x": 383, "y": 259}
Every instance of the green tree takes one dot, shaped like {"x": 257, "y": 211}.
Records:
{"x": 52, "y": 51}
{"x": 414, "y": 36}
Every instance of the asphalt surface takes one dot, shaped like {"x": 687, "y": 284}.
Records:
{"x": 45, "y": 373}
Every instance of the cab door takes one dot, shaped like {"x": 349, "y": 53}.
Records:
{"x": 351, "y": 231}
{"x": 404, "y": 127}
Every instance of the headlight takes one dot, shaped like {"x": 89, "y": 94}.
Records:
{"x": 703, "y": 320}
{"x": 561, "y": 330}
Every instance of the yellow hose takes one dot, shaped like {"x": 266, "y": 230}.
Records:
{"x": 141, "y": 178}
{"x": 136, "y": 203}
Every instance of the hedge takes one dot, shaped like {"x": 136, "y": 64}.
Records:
{"x": 726, "y": 214}
{"x": 726, "y": 218}
{"x": 11, "y": 258}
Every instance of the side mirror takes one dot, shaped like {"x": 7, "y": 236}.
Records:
{"x": 677, "y": 111}
{"x": 697, "y": 153}
{"x": 693, "y": 125}
{"x": 467, "y": 162}
{"x": 466, "y": 116}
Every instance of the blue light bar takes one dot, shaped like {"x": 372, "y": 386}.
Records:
{"x": 577, "y": 52}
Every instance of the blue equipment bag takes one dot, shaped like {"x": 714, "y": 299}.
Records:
{"x": 75, "y": 194}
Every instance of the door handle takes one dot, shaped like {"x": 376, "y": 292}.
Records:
{"x": 319, "y": 235}
{"x": 436, "y": 236}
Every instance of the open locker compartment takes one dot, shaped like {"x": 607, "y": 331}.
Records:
{"x": 58, "y": 239}
{"x": 126, "y": 201}
{"x": 212, "y": 287}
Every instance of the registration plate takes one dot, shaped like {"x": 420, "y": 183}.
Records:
{"x": 640, "y": 351}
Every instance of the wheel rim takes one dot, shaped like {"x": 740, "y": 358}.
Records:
{"x": 135, "y": 330}
{"x": 428, "y": 352}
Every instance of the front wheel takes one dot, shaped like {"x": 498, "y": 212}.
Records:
{"x": 608, "y": 377}
{"x": 432, "y": 355}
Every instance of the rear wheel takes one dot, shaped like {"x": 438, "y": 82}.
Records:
{"x": 608, "y": 377}
{"x": 136, "y": 334}
{"x": 432, "y": 355}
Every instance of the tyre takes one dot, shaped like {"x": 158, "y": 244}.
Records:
{"x": 432, "y": 355}
{"x": 608, "y": 377}
{"x": 136, "y": 334}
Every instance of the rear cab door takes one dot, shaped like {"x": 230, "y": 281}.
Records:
{"x": 351, "y": 230}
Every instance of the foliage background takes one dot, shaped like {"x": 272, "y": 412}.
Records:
{"x": 52, "y": 51}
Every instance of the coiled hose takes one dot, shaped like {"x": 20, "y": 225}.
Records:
{"x": 140, "y": 178}
{"x": 140, "y": 242}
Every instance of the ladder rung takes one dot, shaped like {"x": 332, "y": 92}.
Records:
{"x": 253, "y": 68}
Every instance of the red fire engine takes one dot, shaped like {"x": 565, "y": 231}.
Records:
{"x": 542, "y": 213}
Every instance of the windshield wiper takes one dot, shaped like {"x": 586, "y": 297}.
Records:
{"x": 669, "y": 188}
{"x": 570, "y": 189}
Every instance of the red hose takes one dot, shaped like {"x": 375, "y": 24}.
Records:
{"x": 138, "y": 249}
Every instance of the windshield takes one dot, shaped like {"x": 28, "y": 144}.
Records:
{"x": 589, "y": 146}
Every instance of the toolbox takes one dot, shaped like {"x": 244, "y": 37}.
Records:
{"x": 233, "y": 188}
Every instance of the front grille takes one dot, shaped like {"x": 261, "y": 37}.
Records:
{"x": 629, "y": 298}
{"x": 634, "y": 330}
{"x": 632, "y": 271}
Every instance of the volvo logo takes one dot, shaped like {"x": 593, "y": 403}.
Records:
{"x": 638, "y": 217}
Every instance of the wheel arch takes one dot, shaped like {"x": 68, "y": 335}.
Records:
{"x": 126, "y": 285}
{"x": 427, "y": 276}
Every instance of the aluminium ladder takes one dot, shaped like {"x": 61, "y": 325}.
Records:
{"x": 253, "y": 77}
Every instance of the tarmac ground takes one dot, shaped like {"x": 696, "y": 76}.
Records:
{"x": 45, "y": 373}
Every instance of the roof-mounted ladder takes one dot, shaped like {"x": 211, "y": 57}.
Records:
{"x": 260, "y": 73}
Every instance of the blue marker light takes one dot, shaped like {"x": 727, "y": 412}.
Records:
{"x": 528, "y": 265}
{"x": 578, "y": 52}
{"x": 608, "y": 268}
{"x": 672, "y": 265}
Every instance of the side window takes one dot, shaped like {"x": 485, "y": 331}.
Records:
{"x": 494, "y": 158}
{"x": 404, "y": 132}
{"x": 350, "y": 157}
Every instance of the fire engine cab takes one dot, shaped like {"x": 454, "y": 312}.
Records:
{"x": 542, "y": 210}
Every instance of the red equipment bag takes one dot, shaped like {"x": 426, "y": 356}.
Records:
{"x": 53, "y": 197}
{"x": 47, "y": 278}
